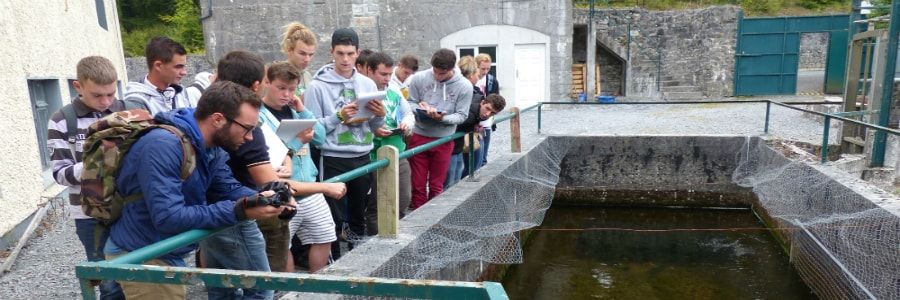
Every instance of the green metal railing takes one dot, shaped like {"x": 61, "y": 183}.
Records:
{"x": 128, "y": 266}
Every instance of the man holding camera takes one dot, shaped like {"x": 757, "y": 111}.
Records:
{"x": 165, "y": 205}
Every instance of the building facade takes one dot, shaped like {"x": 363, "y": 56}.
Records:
{"x": 42, "y": 42}
{"x": 529, "y": 40}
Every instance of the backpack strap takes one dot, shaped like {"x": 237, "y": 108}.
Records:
{"x": 189, "y": 161}
{"x": 68, "y": 113}
{"x": 197, "y": 86}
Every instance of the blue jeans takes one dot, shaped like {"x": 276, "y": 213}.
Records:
{"x": 84, "y": 228}
{"x": 485, "y": 145}
{"x": 454, "y": 173}
{"x": 241, "y": 247}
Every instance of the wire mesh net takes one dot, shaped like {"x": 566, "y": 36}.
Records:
{"x": 844, "y": 244}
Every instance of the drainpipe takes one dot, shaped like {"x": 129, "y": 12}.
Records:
{"x": 591, "y": 56}
{"x": 884, "y": 113}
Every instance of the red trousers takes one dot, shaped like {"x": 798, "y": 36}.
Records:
{"x": 428, "y": 168}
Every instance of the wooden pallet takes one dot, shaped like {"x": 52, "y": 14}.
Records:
{"x": 579, "y": 81}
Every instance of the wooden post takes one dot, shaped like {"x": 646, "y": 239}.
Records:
{"x": 388, "y": 192}
{"x": 514, "y": 134}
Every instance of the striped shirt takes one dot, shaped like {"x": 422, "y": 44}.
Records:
{"x": 66, "y": 156}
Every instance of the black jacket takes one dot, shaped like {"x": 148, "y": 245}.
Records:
{"x": 469, "y": 124}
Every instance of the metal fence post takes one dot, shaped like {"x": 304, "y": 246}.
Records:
{"x": 768, "y": 108}
{"x": 388, "y": 192}
{"x": 540, "y": 106}
{"x": 514, "y": 133}
{"x": 471, "y": 154}
{"x": 87, "y": 290}
{"x": 825, "y": 133}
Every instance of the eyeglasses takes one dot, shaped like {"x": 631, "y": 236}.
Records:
{"x": 248, "y": 128}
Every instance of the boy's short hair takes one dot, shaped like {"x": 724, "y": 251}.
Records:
{"x": 241, "y": 67}
{"x": 225, "y": 97}
{"x": 284, "y": 71}
{"x": 163, "y": 49}
{"x": 363, "y": 57}
{"x": 467, "y": 66}
{"x": 345, "y": 36}
{"x": 482, "y": 57}
{"x": 443, "y": 59}
{"x": 97, "y": 69}
{"x": 296, "y": 32}
{"x": 410, "y": 62}
{"x": 379, "y": 58}
{"x": 497, "y": 101}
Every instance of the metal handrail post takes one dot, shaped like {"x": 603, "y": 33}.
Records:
{"x": 884, "y": 116}
{"x": 539, "y": 109}
{"x": 825, "y": 133}
{"x": 471, "y": 154}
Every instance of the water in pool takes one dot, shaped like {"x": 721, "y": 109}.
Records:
{"x": 640, "y": 253}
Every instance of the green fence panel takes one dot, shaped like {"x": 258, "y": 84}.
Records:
{"x": 767, "y": 53}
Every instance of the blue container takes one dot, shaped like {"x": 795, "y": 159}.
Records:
{"x": 606, "y": 99}
{"x": 581, "y": 97}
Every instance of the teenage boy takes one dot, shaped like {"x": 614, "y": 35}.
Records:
{"x": 442, "y": 98}
{"x": 313, "y": 222}
{"x": 488, "y": 85}
{"x": 407, "y": 66}
{"x": 298, "y": 44}
{"x": 67, "y": 128}
{"x": 398, "y": 123}
{"x": 332, "y": 98}
{"x": 159, "y": 91}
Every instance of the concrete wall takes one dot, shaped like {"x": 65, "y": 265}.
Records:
{"x": 684, "y": 54}
{"x": 42, "y": 39}
{"x": 652, "y": 170}
{"x": 196, "y": 63}
{"x": 395, "y": 26}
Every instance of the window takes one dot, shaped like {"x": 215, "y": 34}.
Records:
{"x": 72, "y": 91}
{"x": 101, "y": 13}
{"x": 45, "y": 100}
{"x": 119, "y": 89}
{"x": 475, "y": 50}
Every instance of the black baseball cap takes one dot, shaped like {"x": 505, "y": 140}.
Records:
{"x": 344, "y": 36}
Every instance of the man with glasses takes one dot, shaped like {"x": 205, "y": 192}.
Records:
{"x": 207, "y": 199}
{"x": 160, "y": 91}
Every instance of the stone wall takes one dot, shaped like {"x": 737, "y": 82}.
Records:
{"x": 196, "y": 63}
{"x": 395, "y": 26}
{"x": 813, "y": 49}
{"x": 683, "y": 54}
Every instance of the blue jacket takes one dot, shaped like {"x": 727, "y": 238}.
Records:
{"x": 170, "y": 206}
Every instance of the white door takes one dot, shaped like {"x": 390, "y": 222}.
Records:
{"x": 530, "y": 62}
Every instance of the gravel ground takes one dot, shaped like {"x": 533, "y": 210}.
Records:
{"x": 45, "y": 268}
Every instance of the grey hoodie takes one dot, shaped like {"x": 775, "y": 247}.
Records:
{"x": 323, "y": 98}
{"x": 452, "y": 97}
{"x": 143, "y": 92}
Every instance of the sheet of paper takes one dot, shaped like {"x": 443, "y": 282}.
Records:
{"x": 277, "y": 150}
{"x": 288, "y": 129}
{"x": 362, "y": 100}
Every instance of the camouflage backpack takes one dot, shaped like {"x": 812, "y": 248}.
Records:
{"x": 107, "y": 142}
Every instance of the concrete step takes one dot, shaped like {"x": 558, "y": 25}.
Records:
{"x": 679, "y": 88}
{"x": 682, "y": 95}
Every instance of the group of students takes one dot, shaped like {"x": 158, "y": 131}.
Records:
{"x": 229, "y": 118}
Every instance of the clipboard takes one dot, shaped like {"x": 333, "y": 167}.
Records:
{"x": 288, "y": 129}
{"x": 362, "y": 100}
